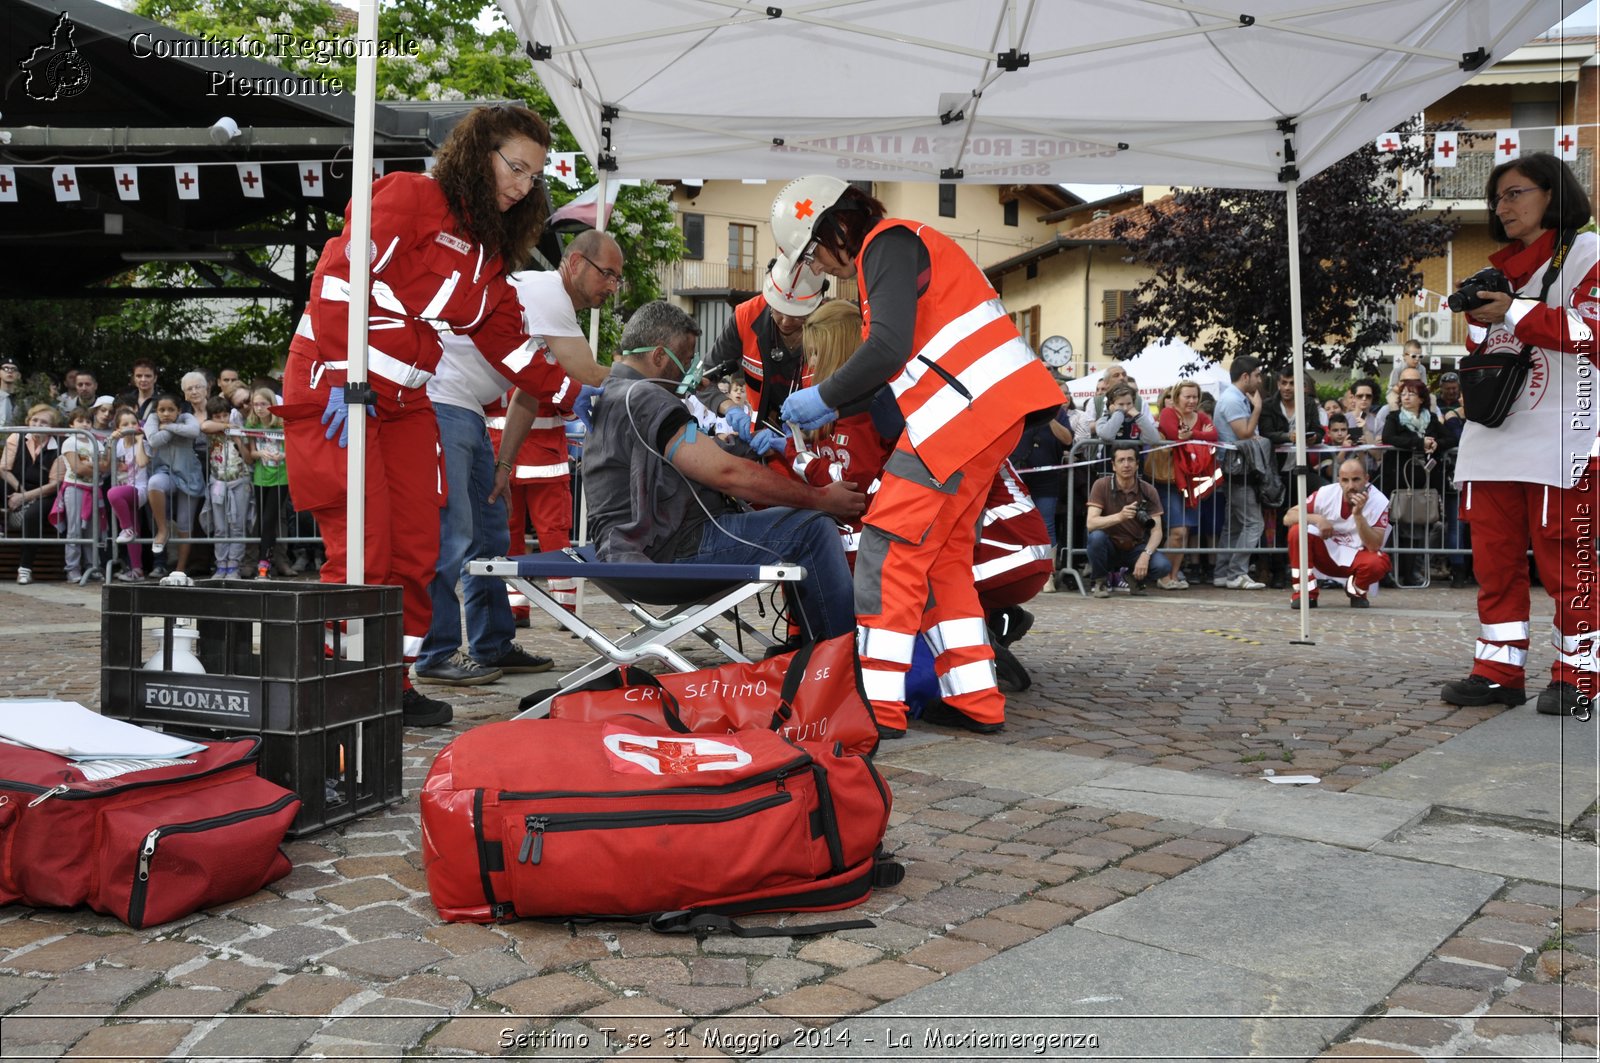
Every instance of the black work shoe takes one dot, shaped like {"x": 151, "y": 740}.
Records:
{"x": 458, "y": 670}
{"x": 1458, "y": 579}
{"x": 942, "y": 715}
{"x": 1010, "y": 624}
{"x": 1476, "y": 690}
{"x": 1294, "y": 603}
{"x": 518, "y": 661}
{"x": 419, "y": 710}
{"x": 1008, "y": 670}
{"x": 1359, "y": 601}
{"x": 889, "y": 734}
{"x": 1564, "y": 699}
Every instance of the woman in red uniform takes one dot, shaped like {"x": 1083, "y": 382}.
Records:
{"x": 442, "y": 244}
{"x": 963, "y": 379}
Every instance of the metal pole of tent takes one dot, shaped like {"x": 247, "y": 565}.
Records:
{"x": 1298, "y": 339}
{"x": 360, "y": 290}
{"x": 601, "y": 220}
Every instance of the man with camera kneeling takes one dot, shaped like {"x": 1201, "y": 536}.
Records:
{"x": 1124, "y": 524}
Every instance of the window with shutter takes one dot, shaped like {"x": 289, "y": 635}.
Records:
{"x": 694, "y": 236}
{"x": 947, "y": 201}
{"x": 1113, "y": 305}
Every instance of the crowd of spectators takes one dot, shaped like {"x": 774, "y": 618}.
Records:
{"x": 134, "y": 477}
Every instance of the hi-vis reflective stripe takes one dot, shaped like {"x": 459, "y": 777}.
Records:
{"x": 522, "y": 357}
{"x": 388, "y": 367}
{"x": 436, "y": 305}
{"x": 1512, "y": 631}
{"x": 1007, "y": 511}
{"x": 1583, "y": 662}
{"x": 411, "y": 646}
{"x": 947, "y": 403}
{"x": 496, "y": 423}
{"x": 883, "y": 686}
{"x": 957, "y": 634}
{"x": 997, "y": 566}
{"x": 881, "y": 644}
{"x": 945, "y": 340}
{"x": 968, "y": 679}
{"x": 1571, "y": 643}
{"x": 540, "y": 472}
{"x": 335, "y": 290}
{"x": 304, "y": 327}
{"x": 547, "y": 422}
{"x": 1515, "y": 656}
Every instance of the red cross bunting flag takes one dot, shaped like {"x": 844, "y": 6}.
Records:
{"x": 1421, "y": 298}
{"x": 188, "y": 177}
{"x": 311, "y": 179}
{"x": 1388, "y": 142}
{"x": 65, "y": 180}
{"x": 1567, "y": 142}
{"x": 1507, "y": 145}
{"x": 562, "y": 166}
{"x": 8, "y": 184}
{"x": 126, "y": 179}
{"x": 250, "y": 182}
{"x": 1445, "y": 147}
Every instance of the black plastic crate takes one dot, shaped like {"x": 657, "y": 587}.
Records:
{"x": 330, "y": 726}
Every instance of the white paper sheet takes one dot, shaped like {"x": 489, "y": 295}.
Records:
{"x": 69, "y": 729}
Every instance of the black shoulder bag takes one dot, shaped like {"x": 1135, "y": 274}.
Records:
{"x": 1492, "y": 380}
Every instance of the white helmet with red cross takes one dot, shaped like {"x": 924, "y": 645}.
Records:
{"x": 793, "y": 291}
{"x": 797, "y": 208}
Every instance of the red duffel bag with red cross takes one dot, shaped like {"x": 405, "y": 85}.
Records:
{"x": 625, "y": 818}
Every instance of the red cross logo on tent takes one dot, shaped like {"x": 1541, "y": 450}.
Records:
{"x": 1447, "y": 149}
{"x": 563, "y": 167}
{"x": 803, "y": 210}
{"x": 126, "y": 181}
{"x": 65, "y": 182}
{"x": 1508, "y": 146}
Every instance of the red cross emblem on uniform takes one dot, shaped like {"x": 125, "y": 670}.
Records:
{"x": 564, "y": 167}
{"x": 803, "y": 210}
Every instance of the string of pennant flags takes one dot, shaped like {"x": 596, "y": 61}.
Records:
{"x": 1507, "y": 143}
{"x": 130, "y": 178}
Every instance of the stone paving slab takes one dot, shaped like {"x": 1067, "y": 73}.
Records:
{"x": 1519, "y": 765}
{"x": 1254, "y": 805}
{"x": 1499, "y": 851}
{"x": 1033, "y": 771}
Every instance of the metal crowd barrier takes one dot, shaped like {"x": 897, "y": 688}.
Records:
{"x": 92, "y": 540}
{"x": 1090, "y": 459}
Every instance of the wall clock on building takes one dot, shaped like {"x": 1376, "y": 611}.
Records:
{"x": 1056, "y": 351}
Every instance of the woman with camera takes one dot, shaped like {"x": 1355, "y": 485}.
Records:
{"x": 1526, "y": 463}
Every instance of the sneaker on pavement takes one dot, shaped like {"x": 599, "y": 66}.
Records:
{"x": 1564, "y": 699}
{"x": 1476, "y": 690}
{"x": 1294, "y": 603}
{"x": 1099, "y": 589}
{"x": 1243, "y": 582}
{"x": 518, "y": 661}
{"x": 1359, "y": 601}
{"x": 130, "y": 575}
{"x": 1169, "y": 583}
{"x": 458, "y": 670}
{"x": 419, "y": 710}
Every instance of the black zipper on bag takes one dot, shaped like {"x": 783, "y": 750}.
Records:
{"x": 803, "y": 761}
{"x": 537, "y": 826}
{"x": 66, "y": 791}
{"x": 147, "y": 849}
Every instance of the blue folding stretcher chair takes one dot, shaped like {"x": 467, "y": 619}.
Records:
{"x": 695, "y": 594}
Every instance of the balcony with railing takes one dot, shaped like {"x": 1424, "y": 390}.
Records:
{"x": 1464, "y": 183}
{"x": 689, "y": 278}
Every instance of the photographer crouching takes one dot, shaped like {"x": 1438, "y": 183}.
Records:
{"x": 1124, "y": 524}
{"x": 1526, "y": 462}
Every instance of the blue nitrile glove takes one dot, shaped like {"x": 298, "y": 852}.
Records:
{"x": 336, "y": 416}
{"x": 768, "y": 441}
{"x": 583, "y": 408}
{"x": 806, "y": 409}
{"x": 738, "y": 418}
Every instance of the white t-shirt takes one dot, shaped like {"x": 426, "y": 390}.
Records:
{"x": 466, "y": 379}
{"x": 546, "y": 307}
{"x": 1344, "y": 542}
{"x": 71, "y": 445}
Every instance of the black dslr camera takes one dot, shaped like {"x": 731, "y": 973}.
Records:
{"x": 1470, "y": 295}
{"x": 1141, "y": 514}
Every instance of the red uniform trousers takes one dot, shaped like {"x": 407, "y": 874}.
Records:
{"x": 1365, "y": 569}
{"x": 403, "y": 484}
{"x": 548, "y": 504}
{"x": 1508, "y": 518}
{"x": 914, "y": 573}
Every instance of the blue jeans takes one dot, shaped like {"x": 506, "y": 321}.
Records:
{"x": 469, "y": 528}
{"x": 803, "y": 537}
{"x": 1245, "y": 525}
{"x": 1105, "y": 558}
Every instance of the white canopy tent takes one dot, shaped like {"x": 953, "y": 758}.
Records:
{"x": 1005, "y": 91}
{"x": 1156, "y": 368}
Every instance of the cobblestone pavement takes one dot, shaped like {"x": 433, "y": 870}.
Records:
{"x": 346, "y": 956}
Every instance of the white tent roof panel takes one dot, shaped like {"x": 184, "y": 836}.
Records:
{"x": 1124, "y": 91}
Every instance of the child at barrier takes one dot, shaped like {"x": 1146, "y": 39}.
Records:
{"x": 269, "y": 476}
{"x": 177, "y": 482}
{"x": 227, "y": 506}
{"x": 78, "y": 497}
{"x": 130, "y": 463}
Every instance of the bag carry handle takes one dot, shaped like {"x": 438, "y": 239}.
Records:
{"x": 669, "y": 704}
{"x": 791, "y": 685}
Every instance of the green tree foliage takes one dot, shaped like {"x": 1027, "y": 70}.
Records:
{"x": 1221, "y": 262}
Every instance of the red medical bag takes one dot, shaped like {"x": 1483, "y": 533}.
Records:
{"x": 147, "y": 846}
